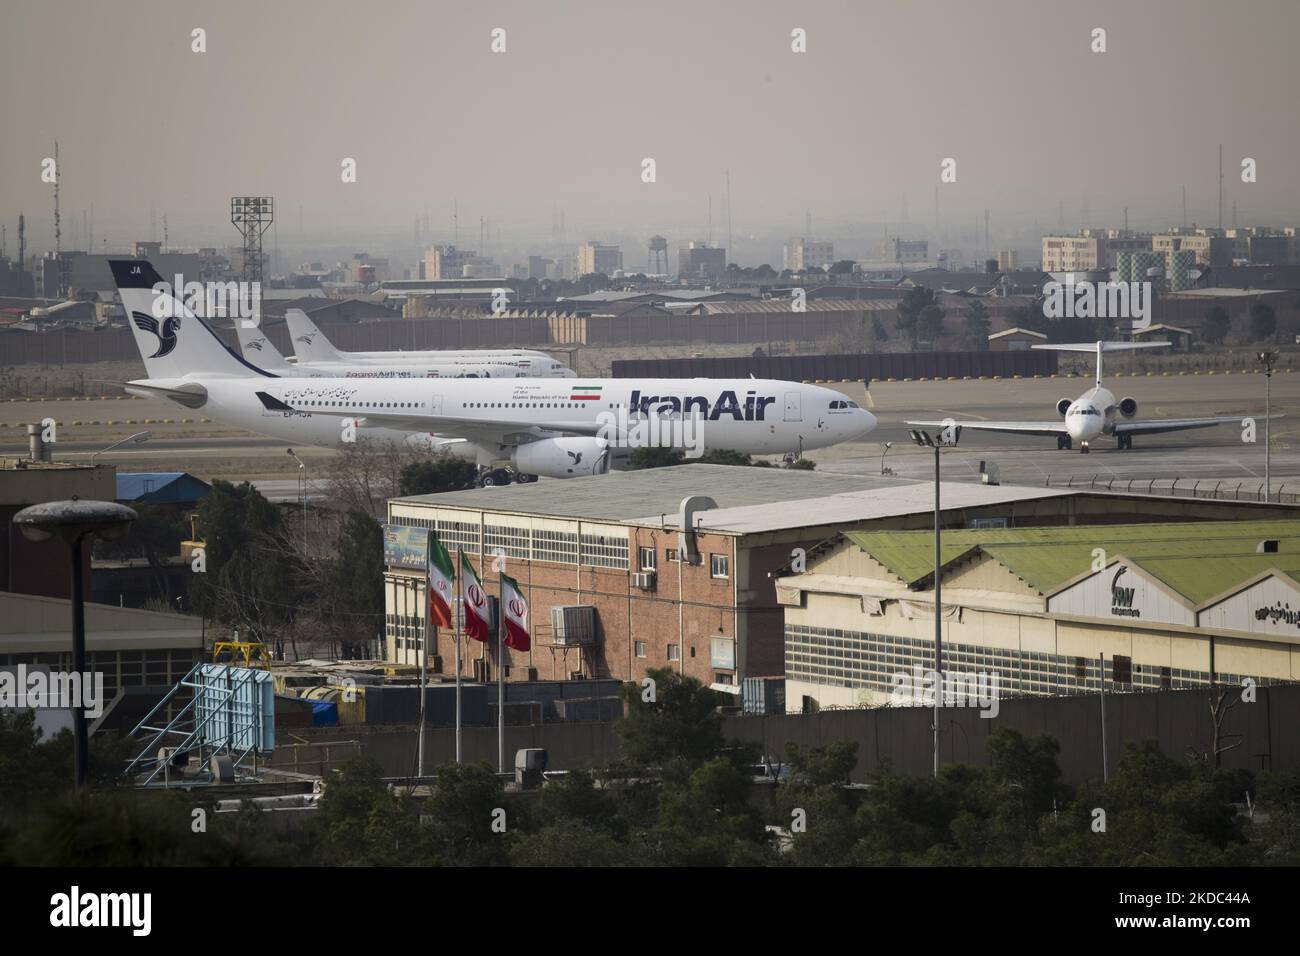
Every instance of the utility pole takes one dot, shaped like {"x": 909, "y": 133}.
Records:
{"x": 1266, "y": 359}
{"x": 731, "y": 255}
{"x": 1220, "y": 185}
{"x": 1101, "y": 675}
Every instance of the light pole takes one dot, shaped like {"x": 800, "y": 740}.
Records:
{"x": 74, "y": 521}
{"x": 139, "y": 438}
{"x": 302, "y": 493}
{"x": 1267, "y": 359}
{"x": 948, "y": 436}
{"x": 888, "y": 445}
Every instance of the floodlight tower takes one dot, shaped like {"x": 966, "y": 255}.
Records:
{"x": 252, "y": 216}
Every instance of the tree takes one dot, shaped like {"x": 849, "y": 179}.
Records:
{"x": 1263, "y": 322}
{"x": 843, "y": 267}
{"x": 824, "y": 765}
{"x": 353, "y": 600}
{"x": 251, "y": 566}
{"x": 679, "y": 722}
{"x": 436, "y": 475}
{"x": 976, "y": 326}
{"x": 156, "y": 536}
{"x": 1216, "y": 326}
{"x": 654, "y": 457}
{"x": 930, "y": 324}
{"x": 910, "y": 307}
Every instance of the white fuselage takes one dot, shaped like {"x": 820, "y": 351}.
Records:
{"x": 1091, "y": 414}
{"x": 450, "y": 368}
{"x": 754, "y": 416}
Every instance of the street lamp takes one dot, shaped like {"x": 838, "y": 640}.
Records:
{"x": 1267, "y": 360}
{"x": 302, "y": 491}
{"x": 139, "y": 438}
{"x": 948, "y": 437}
{"x": 74, "y": 521}
{"x": 883, "y": 453}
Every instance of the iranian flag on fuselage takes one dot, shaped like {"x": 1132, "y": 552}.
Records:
{"x": 585, "y": 393}
{"x": 514, "y": 614}
{"x": 477, "y": 624}
{"x": 441, "y": 583}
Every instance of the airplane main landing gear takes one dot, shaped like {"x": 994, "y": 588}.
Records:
{"x": 1064, "y": 442}
{"x": 1125, "y": 441}
{"x": 493, "y": 477}
{"x": 522, "y": 479}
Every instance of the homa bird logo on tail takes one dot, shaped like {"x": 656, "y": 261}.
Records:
{"x": 257, "y": 344}
{"x": 306, "y": 339}
{"x": 166, "y": 336}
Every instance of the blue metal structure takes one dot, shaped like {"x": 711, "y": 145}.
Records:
{"x": 231, "y": 711}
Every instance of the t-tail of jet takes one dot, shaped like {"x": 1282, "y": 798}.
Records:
{"x": 172, "y": 340}
{"x": 1100, "y": 347}
{"x": 258, "y": 349}
{"x": 309, "y": 342}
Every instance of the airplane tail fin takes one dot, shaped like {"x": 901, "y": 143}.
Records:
{"x": 309, "y": 342}
{"x": 258, "y": 349}
{"x": 172, "y": 340}
{"x": 1101, "y": 347}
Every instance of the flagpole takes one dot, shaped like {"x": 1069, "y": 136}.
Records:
{"x": 424, "y": 657}
{"x": 501, "y": 678}
{"x": 456, "y": 625}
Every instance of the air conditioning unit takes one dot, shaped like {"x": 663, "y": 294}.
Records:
{"x": 644, "y": 580}
{"x": 573, "y": 624}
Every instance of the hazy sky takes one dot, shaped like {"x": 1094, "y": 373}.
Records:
{"x": 586, "y": 89}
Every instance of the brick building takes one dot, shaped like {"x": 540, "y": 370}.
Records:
{"x": 609, "y": 546}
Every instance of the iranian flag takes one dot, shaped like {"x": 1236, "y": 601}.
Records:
{"x": 441, "y": 583}
{"x": 477, "y": 624}
{"x": 514, "y": 614}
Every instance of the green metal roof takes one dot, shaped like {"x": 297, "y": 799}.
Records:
{"x": 1195, "y": 559}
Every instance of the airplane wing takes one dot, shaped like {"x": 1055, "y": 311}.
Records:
{"x": 1016, "y": 428}
{"x": 1155, "y": 426}
{"x": 493, "y": 431}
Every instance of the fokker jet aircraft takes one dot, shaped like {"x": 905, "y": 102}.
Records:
{"x": 1096, "y": 412}
{"x": 532, "y": 426}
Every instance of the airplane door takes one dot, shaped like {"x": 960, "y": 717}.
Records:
{"x": 792, "y": 411}
{"x": 435, "y": 405}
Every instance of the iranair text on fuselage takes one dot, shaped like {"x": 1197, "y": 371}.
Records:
{"x": 752, "y": 409}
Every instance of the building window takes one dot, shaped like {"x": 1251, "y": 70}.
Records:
{"x": 646, "y": 558}
{"x": 674, "y": 652}
{"x": 640, "y": 648}
{"x": 719, "y": 566}
{"x": 1122, "y": 669}
{"x": 671, "y": 554}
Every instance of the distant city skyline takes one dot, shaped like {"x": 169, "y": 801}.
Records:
{"x": 851, "y": 132}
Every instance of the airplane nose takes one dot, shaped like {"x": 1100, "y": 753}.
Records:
{"x": 865, "y": 422}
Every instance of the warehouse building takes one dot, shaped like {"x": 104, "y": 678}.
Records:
{"x": 616, "y": 588}
{"x": 1170, "y": 605}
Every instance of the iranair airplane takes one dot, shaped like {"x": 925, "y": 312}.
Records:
{"x": 514, "y": 429}
{"x": 1096, "y": 412}
{"x": 260, "y": 351}
{"x": 311, "y": 346}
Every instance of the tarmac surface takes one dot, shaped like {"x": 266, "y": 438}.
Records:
{"x": 185, "y": 440}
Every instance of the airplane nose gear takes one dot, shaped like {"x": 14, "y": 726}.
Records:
{"x": 1083, "y": 448}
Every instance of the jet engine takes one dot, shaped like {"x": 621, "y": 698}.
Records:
{"x": 562, "y": 457}
{"x": 1063, "y": 406}
{"x": 1128, "y": 407}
